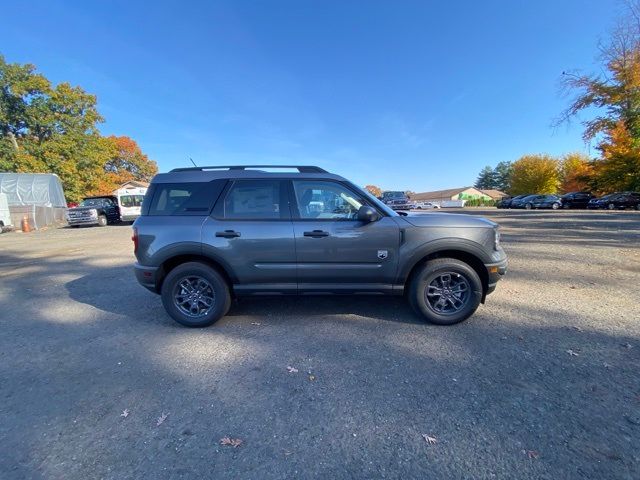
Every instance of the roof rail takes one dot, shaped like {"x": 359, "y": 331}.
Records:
{"x": 300, "y": 168}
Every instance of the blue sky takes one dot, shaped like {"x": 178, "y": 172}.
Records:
{"x": 405, "y": 95}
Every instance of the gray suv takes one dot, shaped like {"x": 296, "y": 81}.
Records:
{"x": 207, "y": 234}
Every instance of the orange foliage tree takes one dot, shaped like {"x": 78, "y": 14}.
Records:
{"x": 124, "y": 162}
{"x": 576, "y": 173}
{"x": 374, "y": 190}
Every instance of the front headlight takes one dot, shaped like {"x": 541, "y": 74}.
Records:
{"x": 496, "y": 243}
{"x": 93, "y": 212}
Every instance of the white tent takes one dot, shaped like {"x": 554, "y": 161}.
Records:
{"x": 41, "y": 189}
{"x": 38, "y": 196}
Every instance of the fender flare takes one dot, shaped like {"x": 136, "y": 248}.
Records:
{"x": 441, "y": 245}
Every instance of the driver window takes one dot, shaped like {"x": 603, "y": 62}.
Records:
{"x": 326, "y": 200}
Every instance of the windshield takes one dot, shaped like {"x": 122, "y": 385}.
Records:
{"x": 92, "y": 202}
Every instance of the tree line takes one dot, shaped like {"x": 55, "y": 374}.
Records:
{"x": 614, "y": 95}
{"x": 54, "y": 129}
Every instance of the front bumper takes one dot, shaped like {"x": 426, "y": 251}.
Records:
{"x": 83, "y": 221}
{"x": 496, "y": 271}
{"x": 147, "y": 276}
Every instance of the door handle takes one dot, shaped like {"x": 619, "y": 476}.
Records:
{"x": 228, "y": 234}
{"x": 316, "y": 234}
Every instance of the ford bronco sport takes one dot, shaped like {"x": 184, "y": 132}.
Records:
{"x": 209, "y": 233}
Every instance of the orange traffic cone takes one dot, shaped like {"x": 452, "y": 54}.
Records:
{"x": 26, "y": 228}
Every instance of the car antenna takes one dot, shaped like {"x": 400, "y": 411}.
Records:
{"x": 194, "y": 163}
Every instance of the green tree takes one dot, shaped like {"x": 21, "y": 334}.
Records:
{"x": 54, "y": 129}
{"x": 486, "y": 179}
{"x": 502, "y": 174}
{"x": 535, "y": 174}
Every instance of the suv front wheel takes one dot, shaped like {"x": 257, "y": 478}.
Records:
{"x": 445, "y": 291}
{"x": 195, "y": 295}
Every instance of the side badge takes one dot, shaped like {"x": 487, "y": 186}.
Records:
{"x": 382, "y": 254}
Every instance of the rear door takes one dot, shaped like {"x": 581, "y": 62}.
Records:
{"x": 250, "y": 232}
{"x": 335, "y": 252}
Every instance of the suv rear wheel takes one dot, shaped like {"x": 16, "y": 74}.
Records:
{"x": 102, "y": 221}
{"x": 195, "y": 295}
{"x": 445, "y": 291}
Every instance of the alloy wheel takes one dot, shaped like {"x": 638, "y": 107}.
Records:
{"x": 448, "y": 293}
{"x": 194, "y": 296}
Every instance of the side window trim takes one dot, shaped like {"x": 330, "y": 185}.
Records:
{"x": 295, "y": 211}
{"x": 218, "y": 212}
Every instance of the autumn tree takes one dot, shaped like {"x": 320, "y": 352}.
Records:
{"x": 53, "y": 129}
{"x": 374, "y": 190}
{"x": 576, "y": 173}
{"x": 614, "y": 96}
{"x": 619, "y": 168}
{"x": 535, "y": 174}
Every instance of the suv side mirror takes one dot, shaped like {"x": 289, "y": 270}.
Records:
{"x": 367, "y": 214}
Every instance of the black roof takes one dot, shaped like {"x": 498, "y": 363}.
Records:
{"x": 213, "y": 172}
{"x": 300, "y": 168}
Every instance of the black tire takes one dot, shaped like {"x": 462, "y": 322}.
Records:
{"x": 528, "y": 206}
{"x": 555, "y": 206}
{"x": 102, "y": 221}
{"x": 431, "y": 272}
{"x": 611, "y": 206}
{"x": 217, "y": 285}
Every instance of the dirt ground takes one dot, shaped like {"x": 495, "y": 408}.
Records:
{"x": 96, "y": 381}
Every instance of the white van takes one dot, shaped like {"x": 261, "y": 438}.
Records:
{"x": 130, "y": 202}
{"x": 5, "y": 216}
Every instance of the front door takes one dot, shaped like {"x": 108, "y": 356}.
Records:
{"x": 250, "y": 232}
{"x": 335, "y": 252}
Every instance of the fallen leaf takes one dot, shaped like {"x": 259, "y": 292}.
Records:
{"x": 572, "y": 353}
{"x": 572, "y": 287}
{"x": 532, "y": 453}
{"x": 606, "y": 365}
{"x": 429, "y": 439}
{"x": 125, "y": 413}
{"x": 287, "y": 453}
{"x": 312, "y": 378}
{"x": 575, "y": 327}
{"x": 291, "y": 369}
{"x": 256, "y": 323}
{"x": 626, "y": 345}
{"x": 161, "y": 419}
{"x": 232, "y": 442}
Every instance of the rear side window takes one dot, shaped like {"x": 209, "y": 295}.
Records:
{"x": 131, "y": 200}
{"x": 255, "y": 199}
{"x": 184, "y": 198}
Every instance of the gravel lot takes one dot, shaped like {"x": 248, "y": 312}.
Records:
{"x": 543, "y": 382}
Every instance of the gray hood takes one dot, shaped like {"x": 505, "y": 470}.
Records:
{"x": 448, "y": 220}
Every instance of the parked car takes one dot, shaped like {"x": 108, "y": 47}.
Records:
{"x": 616, "y": 201}
{"x": 519, "y": 201}
{"x": 400, "y": 204}
{"x": 504, "y": 202}
{"x": 206, "y": 234}
{"x": 425, "y": 205}
{"x": 576, "y": 199}
{"x": 100, "y": 211}
{"x": 544, "y": 201}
